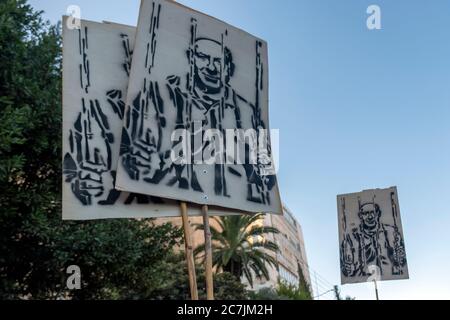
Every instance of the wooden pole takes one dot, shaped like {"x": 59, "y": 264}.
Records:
{"x": 208, "y": 255}
{"x": 189, "y": 251}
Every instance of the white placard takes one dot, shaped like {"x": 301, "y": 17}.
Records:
{"x": 194, "y": 81}
{"x": 371, "y": 238}
{"x": 96, "y": 64}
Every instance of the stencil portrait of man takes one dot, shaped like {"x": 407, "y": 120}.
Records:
{"x": 372, "y": 243}
{"x": 197, "y": 113}
{"x": 208, "y": 100}
{"x": 204, "y": 100}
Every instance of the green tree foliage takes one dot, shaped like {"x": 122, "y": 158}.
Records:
{"x": 338, "y": 296}
{"x": 227, "y": 287}
{"x": 337, "y": 293}
{"x": 284, "y": 291}
{"x": 292, "y": 292}
{"x": 239, "y": 246}
{"x": 266, "y": 294}
{"x": 118, "y": 259}
{"x": 175, "y": 284}
{"x": 303, "y": 285}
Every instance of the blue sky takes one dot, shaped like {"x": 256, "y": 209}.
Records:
{"x": 356, "y": 109}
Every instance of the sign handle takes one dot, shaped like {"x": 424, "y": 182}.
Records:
{"x": 189, "y": 251}
{"x": 208, "y": 255}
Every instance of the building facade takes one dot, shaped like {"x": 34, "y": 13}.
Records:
{"x": 292, "y": 253}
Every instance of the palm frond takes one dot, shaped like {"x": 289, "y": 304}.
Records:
{"x": 257, "y": 231}
{"x": 235, "y": 247}
{"x": 269, "y": 245}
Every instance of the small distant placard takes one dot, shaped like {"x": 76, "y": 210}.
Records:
{"x": 196, "y": 120}
{"x": 372, "y": 245}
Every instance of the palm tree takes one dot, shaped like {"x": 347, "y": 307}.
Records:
{"x": 239, "y": 246}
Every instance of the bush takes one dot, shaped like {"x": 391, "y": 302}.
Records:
{"x": 227, "y": 287}
{"x": 266, "y": 294}
{"x": 284, "y": 291}
{"x": 292, "y": 292}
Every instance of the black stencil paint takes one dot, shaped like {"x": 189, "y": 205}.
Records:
{"x": 128, "y": 53}
{"x": 209, "y": 92}
{"x": 151, "y": 46}
{"x": 85, "y": 73}
{"x": 88, "y": 165}
{"x": 114, "y": 98}
{"x": 92, "y": 158}
{"x": 372, "y": 243}
{"x": 140, "y": 144}
{"x": 259, "y": 186}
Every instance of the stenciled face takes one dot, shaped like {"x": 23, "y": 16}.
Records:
{"x": 369, "y": 216}
{"x": 208, "y": 66}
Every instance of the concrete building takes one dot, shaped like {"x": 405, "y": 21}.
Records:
{"x": 292, "y": 254}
